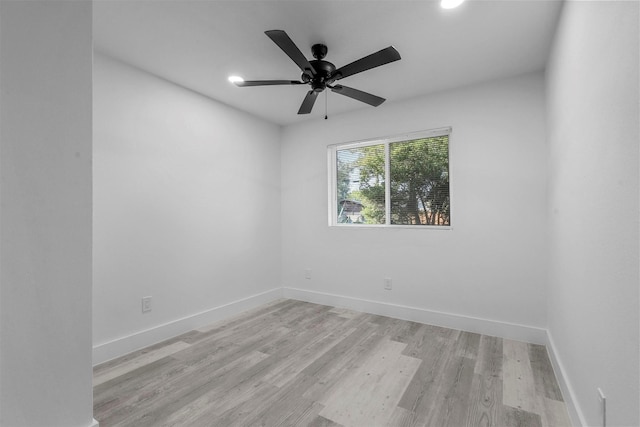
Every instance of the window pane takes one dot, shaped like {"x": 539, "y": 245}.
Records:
{"x": 420, "y": 181}
{"x": 360, "y": 185}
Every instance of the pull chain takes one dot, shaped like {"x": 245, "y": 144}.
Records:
{"x": 326, "y": 102}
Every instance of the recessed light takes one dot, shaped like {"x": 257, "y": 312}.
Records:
{"x": 235, "y": 79}
{"x": 450, "y": 4}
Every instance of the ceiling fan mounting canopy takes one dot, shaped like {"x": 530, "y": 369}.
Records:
{"x": 319, "y": 51}
{"x": 321, "y": 74}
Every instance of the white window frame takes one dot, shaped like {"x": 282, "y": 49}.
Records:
{"x": 386, "y": 141}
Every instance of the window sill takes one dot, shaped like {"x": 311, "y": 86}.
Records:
{"x": 393, "y": 227}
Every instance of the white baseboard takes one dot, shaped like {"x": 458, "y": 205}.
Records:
{"x": 121, "y": 346}
{"x": 495, "y": 328}
{"x": 575, "y": 413}
{"x": 95, "y": 423}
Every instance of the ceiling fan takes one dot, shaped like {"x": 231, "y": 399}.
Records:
{"x": 321, "y": 74}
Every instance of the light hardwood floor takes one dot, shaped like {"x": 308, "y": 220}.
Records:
{"x": 301, "y": 364}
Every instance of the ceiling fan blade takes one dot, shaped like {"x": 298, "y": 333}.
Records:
{"x": 267, "y": 83}
{"x": 358, "y": 95}
{"x": 309, "y": 100}
{"x": 285, "y": 43}
{"x": 374, "y": 60}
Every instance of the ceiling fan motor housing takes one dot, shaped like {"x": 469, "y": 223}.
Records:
{"x": 323, "y": 69}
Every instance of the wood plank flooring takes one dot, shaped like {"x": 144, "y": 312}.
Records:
{"x": 292, "y": 363}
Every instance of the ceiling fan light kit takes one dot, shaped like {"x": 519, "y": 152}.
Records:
{"x": 321, "y": 74}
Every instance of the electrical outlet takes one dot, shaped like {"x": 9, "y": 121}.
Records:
{"x": 603, "y": 404}
{"x": 388, "y": 285}
{"x": 307, "y": 274}
{"x": 146, "y": 304}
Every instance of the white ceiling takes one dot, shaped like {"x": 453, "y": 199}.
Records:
{"x": 198, "y": 44}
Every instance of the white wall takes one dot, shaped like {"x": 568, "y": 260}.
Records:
{"x": 490, "y": 266}
{"x": 45, "y": 214}
{"x": 186, "y": 206}
{"x": 592, "y": 91}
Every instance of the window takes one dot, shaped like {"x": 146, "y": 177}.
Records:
{"x": 399, "y": 181}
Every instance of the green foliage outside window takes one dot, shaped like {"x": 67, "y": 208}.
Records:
{"x": 419, "y": 183}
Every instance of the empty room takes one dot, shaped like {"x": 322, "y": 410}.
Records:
{"x": 319, "y": 213}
